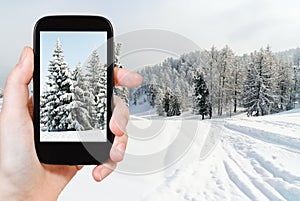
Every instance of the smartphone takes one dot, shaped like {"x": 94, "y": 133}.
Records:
{"x": 72, "y": 89}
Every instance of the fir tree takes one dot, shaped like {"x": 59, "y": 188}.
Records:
{"x": 258, "y": 95}
{"x": 167, "y": 102}
{"x": 80, "y": 117}
{"x": 177, "y": 101}
{"x": 152, "y": 92}
{"x": 97, "y": 85}
{"x": 201, "y": 96}
{"x": 159, "y": 103}
{"x": 170, "y": 103}
{"x": 56, "y": 99}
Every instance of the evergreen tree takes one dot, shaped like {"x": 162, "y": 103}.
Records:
{"x": 97, "y": 81}
{"x": 122, "y": 92}
{"x": 80, "y": 117}
{"x": 56, "y": 99}
{"x": 250, "y": 86}
{"x": 176, "y": 102}
{"x": 258, "y": 96}
{"x": 159, "y": 103}
{"x": 152, "y": 92}
{"x": 167, "y": 102}
{"x": 202, "y": 105}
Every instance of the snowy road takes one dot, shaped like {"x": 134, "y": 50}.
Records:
{"x": 257, "y": 159}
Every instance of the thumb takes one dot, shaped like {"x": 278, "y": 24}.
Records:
{"x": 15, "y": 99}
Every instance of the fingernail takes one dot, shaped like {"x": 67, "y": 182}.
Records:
{"x": 23, "y": 55}
{"x": 121, "y": 148}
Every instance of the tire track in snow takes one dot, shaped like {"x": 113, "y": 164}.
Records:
{"x": 273, "y": 138}
{"x": 240, "y": 181}
{"x": 288, "y": 191}
{"x": 285, "y": 183}
{"x": 282, "y": 124}
{"x": 275, "y": 171}
{"x": 256, "y": 179}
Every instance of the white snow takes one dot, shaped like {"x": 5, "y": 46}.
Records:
{"x": 237, "y": 158}
{"x": 74, "y": 136}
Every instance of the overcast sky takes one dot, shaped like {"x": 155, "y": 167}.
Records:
{"x": 245, "y": 25}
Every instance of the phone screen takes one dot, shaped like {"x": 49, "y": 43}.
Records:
{"x": 73, "y": 86}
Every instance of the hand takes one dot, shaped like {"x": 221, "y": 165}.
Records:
{"x": 22, "y": 176}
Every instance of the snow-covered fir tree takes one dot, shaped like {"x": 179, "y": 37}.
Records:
{"x": 122, "y": 92}
{"x": 167, "y": 102}
{"x": 96, "y": 77}
{"x": 171, "y": 103}
{"x": 159, "y": 102}
{"x": 152, "y": 92}
{"x": 201, "y": 105}
{"x": 258, "y": 95}
{"x": 176, "y": 102}
{"x": 56, "y": 99}
{"x": 81, "y": 119}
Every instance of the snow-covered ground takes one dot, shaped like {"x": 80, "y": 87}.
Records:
{"x": 74, "y": 136}
{"x": 237, "y": 158}
{"x": 253, "y": 158}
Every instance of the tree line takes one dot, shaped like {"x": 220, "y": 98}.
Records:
{"x": 219, "y": 82}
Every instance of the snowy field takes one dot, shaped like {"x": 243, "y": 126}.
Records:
{"x": 246, "y": 159}
{"x": 74, "y": 136}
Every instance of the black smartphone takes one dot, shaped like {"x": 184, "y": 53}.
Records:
{"x": 72, "y": 89}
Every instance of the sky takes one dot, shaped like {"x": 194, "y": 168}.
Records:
{"x": 245, "y": 25}
{"x": 76, "y": 46}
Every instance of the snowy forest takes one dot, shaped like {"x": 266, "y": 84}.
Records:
{"x": 73, "y": 100}
{"x": 220, "y": 83}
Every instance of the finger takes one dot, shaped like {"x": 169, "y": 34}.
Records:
{"x": 126, "y": 78}
{"x": 100, "y": 172}
{"x": 120, "y": 116}
{"x": 15, "y": 99}
{"x": 79, "y": 167}
{"x": 30, "y": 107}
{"x": 117, "y": 151}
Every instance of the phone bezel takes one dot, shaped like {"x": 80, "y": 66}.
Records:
{"x": 72, "y": 153}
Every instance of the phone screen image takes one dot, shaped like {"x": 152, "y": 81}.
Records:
{"x": 73, "y": 86}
